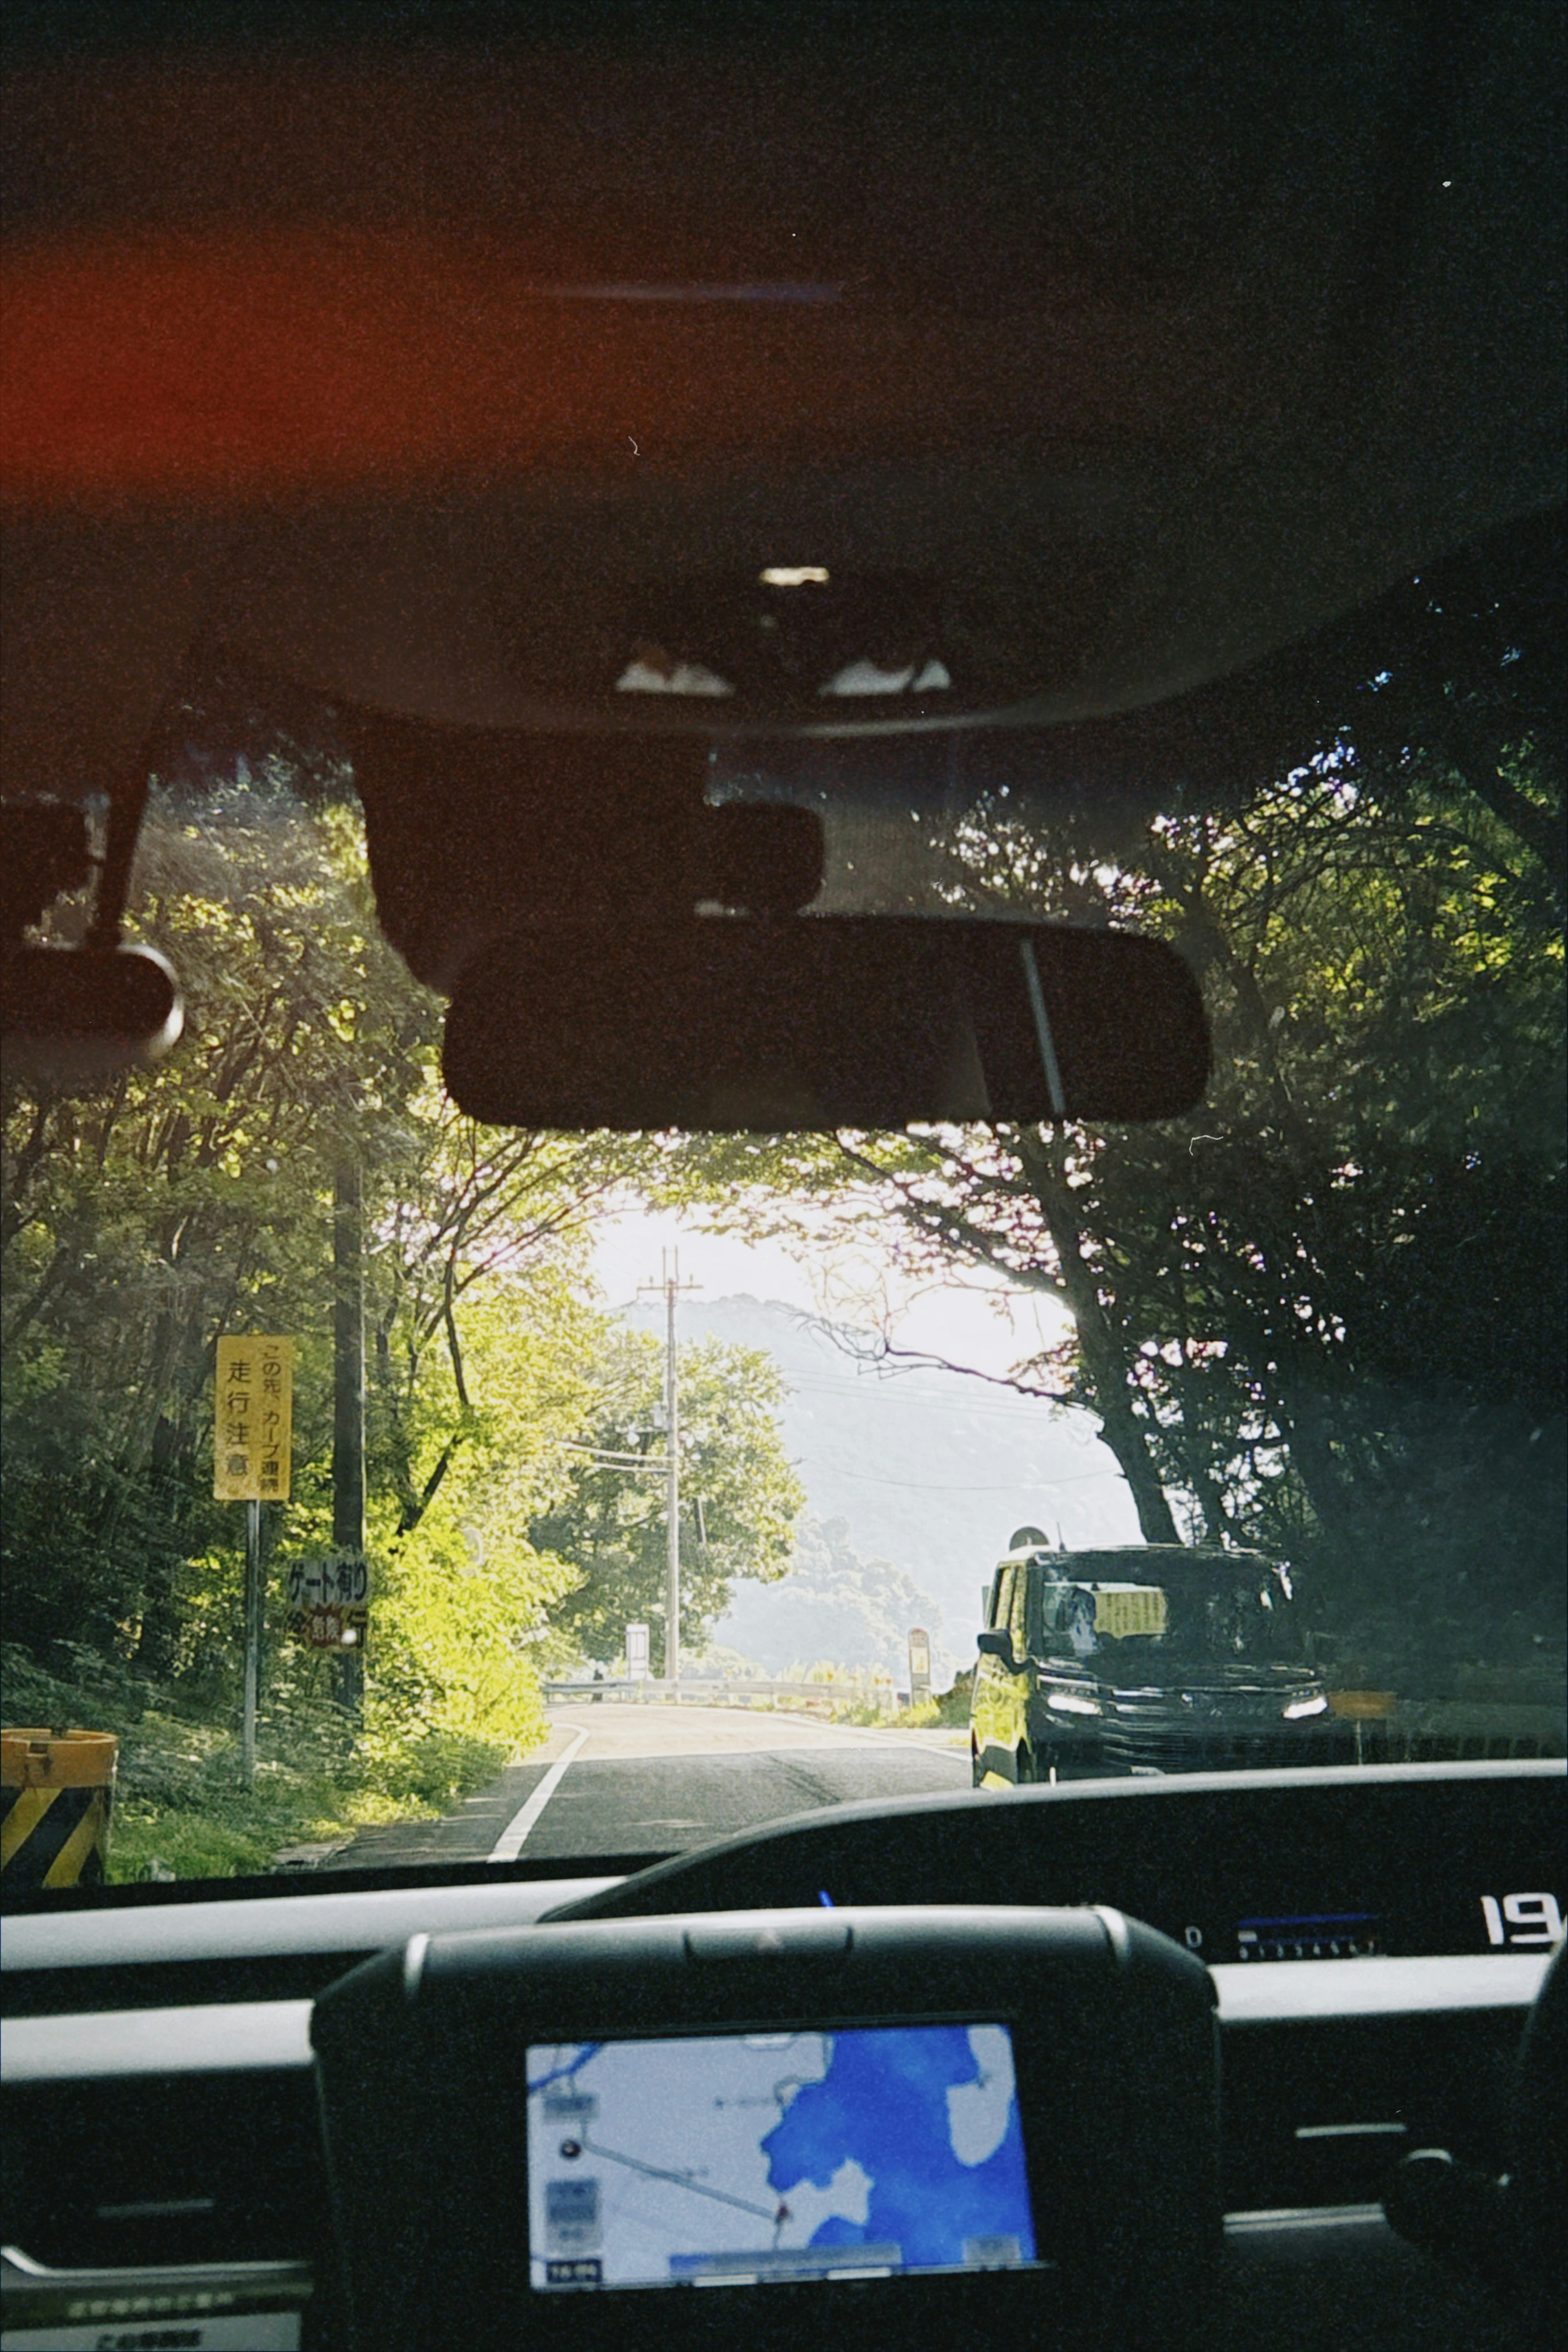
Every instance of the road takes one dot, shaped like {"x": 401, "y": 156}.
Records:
{"x": 618, "y": 1780}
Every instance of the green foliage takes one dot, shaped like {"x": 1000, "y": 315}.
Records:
{"x": 953, "y": 1704}
{"x": 181, "y": 1809}
{"x": 1324, "y": 1314}
{"x": 611, "y": 1525}
{"x": 142, "y": 1223}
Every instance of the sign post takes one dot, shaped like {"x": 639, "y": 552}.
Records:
{"x": 636, "y": 1654}
{"x": 253, "y": 1440}
{"x": 919, "y": 1666}
{"x": 253, "y": 1615}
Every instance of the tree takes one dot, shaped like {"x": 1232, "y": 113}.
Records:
{"x": 740, "y": 1498}
{"x": 174, "y": 1205}
{"x": 1324, "y": 1314}
{"x": 143, "y": 1222}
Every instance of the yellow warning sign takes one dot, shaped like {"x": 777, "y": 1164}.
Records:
{"x": 1123, "y": 1609}
{"x": 254, "y": 1424}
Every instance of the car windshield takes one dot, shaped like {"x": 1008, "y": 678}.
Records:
{"x": 1134, "y": 1615}
{"x": 1089, "y": 469}
{"x": 462, "y": 1409}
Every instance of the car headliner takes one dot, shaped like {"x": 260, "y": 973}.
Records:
{"x": 1161, "y": 351}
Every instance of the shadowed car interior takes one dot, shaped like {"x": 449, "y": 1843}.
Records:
{"x": 944, "y": 618}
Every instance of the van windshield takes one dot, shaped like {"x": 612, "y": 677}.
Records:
{"x": 1242, "y": 1615}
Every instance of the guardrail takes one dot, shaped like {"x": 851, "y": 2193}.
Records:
{"x": 653, "y": 1687}
{"x": 1409, "y": 1731}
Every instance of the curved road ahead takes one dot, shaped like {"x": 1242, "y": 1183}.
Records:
{"x": 616, "y": 1780}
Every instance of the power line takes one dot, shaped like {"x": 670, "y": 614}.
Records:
{"x": 1004, "y": 1487}
{"x": 601, "y": 1459}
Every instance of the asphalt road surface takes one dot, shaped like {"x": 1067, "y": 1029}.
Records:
{"x": 618, "y": 1779}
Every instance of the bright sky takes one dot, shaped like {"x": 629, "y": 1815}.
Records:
{"x": 978, "y": 1323}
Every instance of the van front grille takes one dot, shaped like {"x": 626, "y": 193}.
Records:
{"x": 1209, "y": 1748}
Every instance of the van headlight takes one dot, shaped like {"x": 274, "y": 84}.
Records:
{"x": 1065, "y": 1703}
{"x": 1298, "y": 1708}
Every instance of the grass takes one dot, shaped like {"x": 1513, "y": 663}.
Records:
{"x": 847, "y": 1698}
{"x": 932, "y": 1715}
{"x": 182, "y": 1809}
{"x": 233, "y": 1831}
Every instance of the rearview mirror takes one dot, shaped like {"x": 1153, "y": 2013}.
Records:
{"x": 739, "y": 1023}
{"x": 74, "y": 1017}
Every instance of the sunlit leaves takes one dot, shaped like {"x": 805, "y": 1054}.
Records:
{"x": 740, "y": 1498}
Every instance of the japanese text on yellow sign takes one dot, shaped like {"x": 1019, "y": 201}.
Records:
{"x": 1126, "y": 1608}
{"x": 254, "y": 1418}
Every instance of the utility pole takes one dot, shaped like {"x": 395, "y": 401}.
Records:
{"x": 669, "y": 1281}
{"x": 348, "y": 1396}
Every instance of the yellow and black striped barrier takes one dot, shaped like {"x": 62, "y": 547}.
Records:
{"x": 58, "y": 1793}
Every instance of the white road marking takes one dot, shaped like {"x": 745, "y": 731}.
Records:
{"x": 508, "y": 1846}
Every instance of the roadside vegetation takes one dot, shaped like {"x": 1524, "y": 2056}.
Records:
{"x": 181, "y": 1808}
{"x": 1323, "y": 1313}
{"x": 142, "y": 1223}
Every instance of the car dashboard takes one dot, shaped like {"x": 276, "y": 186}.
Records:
{"x": 1374, "y": 1938}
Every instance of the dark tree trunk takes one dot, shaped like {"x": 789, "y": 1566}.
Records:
{"x": 1100, "y": 1350}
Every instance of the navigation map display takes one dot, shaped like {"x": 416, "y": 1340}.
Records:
{"x": 727, "y": 2160}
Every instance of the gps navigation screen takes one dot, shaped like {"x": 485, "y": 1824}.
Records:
{"x": 726, "y": 2160}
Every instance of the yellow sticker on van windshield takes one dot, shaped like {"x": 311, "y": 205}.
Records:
{"x": 1123, "y": 1609}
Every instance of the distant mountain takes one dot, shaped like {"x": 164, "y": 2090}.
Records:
{"x": 834, "y": 1604}
{"x": 930, "y": 1470}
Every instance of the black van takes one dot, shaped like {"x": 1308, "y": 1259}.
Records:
{"x": 1146, "y": 1658}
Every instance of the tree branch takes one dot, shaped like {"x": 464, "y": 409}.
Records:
{"x": 883, "y": 1349}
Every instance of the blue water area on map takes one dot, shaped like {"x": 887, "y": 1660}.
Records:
{"x": 883, "y": 2103}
